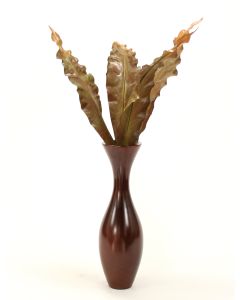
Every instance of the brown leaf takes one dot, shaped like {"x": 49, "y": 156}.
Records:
{"x": 121, "y": 85}
{"x": 152, "y": 79}
{"x": 86, "y": 87}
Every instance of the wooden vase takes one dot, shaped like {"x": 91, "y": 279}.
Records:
{"x": 121, "y": 238}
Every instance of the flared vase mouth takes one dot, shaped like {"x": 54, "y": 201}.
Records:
{"x": 118, "y": 146}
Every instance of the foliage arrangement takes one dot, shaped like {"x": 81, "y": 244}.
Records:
{"x": 132, "y": 90}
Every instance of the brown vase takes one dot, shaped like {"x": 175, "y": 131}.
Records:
{"x": 121, "y": 236}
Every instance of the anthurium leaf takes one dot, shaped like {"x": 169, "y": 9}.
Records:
{"x": 122, "y": 83}
{"x": 152, "y": 79}
{"x": 86, "y": 88}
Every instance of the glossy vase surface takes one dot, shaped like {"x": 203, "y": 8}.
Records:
{"x": 121, "y": 238}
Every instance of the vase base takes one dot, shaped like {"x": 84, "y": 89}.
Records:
{"x": 119, "y": 287}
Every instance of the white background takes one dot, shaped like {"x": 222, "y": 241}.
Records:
{"x": 56, "y": 181}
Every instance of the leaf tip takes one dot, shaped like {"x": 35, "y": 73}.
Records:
{"x": 55, "y": 37}
{"x": 193, "y": 25}
{"x": 185, "y": 34}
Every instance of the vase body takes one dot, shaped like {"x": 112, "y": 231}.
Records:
{"x": 121, "y": 240}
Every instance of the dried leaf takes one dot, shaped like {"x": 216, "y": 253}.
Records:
{"x": 122, "y": 85}
{"x": 87, "y": 89}
{"x": 163, "y": 73}
{"x": 131, "y": 91}
{"x": 152, "y": 79}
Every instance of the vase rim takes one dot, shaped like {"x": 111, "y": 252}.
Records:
{"x": 118, "y": 146}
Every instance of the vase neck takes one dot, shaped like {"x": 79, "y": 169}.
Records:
{"x": 121, "y": 159}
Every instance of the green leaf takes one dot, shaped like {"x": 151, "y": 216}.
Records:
{"x": 122, "y": 83}
{"x": 86, "y": 88}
